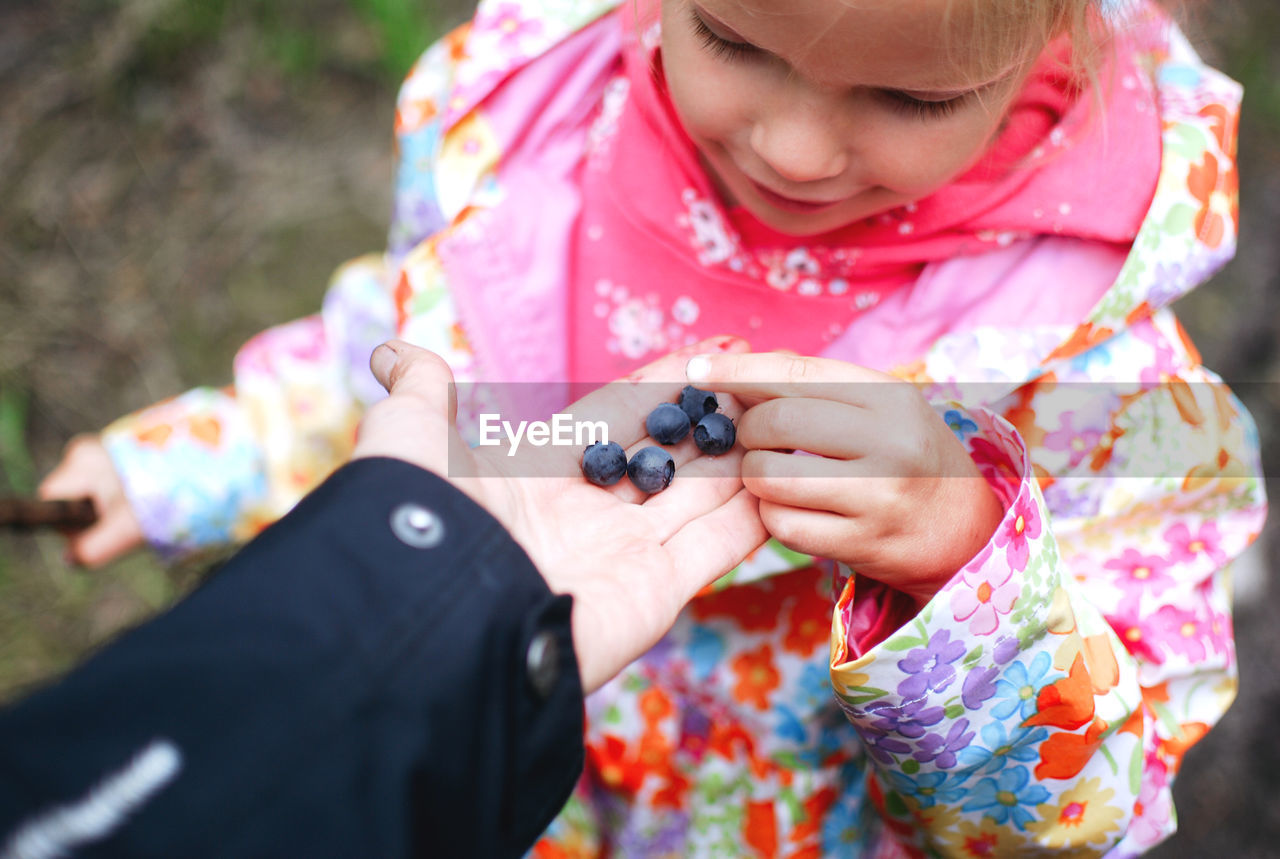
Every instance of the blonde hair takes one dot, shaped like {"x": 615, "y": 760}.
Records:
{"x": 997, "y": 30}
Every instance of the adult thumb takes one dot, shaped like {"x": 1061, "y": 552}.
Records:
{"x": 408, "y": 370}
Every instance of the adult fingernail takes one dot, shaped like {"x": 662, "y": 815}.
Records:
{"x": 382, "y": 362}
{"x": 698, "y": 368}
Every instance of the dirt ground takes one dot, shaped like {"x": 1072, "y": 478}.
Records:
{"x": 172, "y": 182}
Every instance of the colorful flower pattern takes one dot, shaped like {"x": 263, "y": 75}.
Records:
{"x": 1041, "y": 701}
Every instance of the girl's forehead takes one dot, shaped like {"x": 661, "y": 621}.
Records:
{"x": 924, "y": 45}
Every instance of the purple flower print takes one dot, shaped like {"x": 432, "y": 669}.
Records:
{"x": 1006, "y": 649}
{"x": 1065, "y": 499}
{"x": 942, "y": 750}
{"x": 909, "y": 719}
{"x": 883, "y": 747}
{"x": 1078, "y": 442}
{"x": 979, "y": 685}
{"x": 930, "y": 666}
{"x": 666, "y": 840}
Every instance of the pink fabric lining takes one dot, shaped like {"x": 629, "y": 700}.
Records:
{"x": 990, "y": 289}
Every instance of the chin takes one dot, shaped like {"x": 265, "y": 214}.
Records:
{"x": 792, "y": 224}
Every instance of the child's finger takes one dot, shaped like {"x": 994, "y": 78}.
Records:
{"x": 623, "y": 405}
{"x": 824, "y": 427}
{"x": 112, "y": 537}
{"x": 811, "y": 482}
{"x": 765, "y": 375}
{"x": 712, "y": 545}
{"x": 810, "y": 532}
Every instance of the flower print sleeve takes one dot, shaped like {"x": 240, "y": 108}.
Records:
{"x": 1045, "y": 697}
{"x": 214, "y": 466}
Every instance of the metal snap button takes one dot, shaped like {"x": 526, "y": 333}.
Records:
{"x": 542, "y": 663}
{"x": 416, "y": 526}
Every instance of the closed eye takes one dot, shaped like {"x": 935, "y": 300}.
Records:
{"x": 922, "y": 108}
{"x": 719, "y": 47}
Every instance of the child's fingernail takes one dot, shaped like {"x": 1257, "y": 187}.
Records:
{"x": 698, "y": 368}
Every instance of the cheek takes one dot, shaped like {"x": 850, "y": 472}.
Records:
{"x": 707, "y": 109}
{"x": 917, "y": 157}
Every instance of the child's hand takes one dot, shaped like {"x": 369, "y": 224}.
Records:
{"x": 891, "y": 491}
{"x": 86, "y": 470}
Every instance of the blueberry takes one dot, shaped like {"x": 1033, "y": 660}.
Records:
{"x": 651, "y": 469}
{"x": 604, "y": 464}
{"x": 667, "y": 424}
{"x": 714, "y": 434}
{"x": 696, "y": 402}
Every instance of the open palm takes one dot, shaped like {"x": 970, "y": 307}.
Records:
{"x": 630, "y": 561}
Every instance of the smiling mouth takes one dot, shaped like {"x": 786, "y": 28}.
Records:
{"x": 791, "y": 204}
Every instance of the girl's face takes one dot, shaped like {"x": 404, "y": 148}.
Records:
{"x": 814, "y": 114}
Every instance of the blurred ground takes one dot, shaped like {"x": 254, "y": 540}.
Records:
{"x": 176, "y": 176}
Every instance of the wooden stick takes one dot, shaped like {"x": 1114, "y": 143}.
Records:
{"x": 30, "y": 514}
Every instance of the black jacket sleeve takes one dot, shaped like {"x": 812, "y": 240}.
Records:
{"x": 381, "y": 673}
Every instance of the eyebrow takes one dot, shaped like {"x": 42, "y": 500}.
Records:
{"x": 940, "y": 94}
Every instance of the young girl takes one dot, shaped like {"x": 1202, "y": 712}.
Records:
{"x": 927, "y": 188}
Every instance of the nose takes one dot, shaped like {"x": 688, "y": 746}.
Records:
{"x": 800, "y": 140}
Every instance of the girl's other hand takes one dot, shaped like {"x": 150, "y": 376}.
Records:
{"x": 86, "y": 470}
{"x": 855, "y": 465}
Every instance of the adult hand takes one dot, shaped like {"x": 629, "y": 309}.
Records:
{"x": 631, "y": 562}
{"x": 855, "y": 465}
{"x": 86, "y": 471}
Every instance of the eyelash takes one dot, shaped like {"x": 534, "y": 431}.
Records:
{"x": 723, "y": 49}
{"x": 914, "y": 107}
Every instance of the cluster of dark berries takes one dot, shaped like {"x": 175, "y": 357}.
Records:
{"x": 652, "y": 468}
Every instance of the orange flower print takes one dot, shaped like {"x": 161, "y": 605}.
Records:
{"x": 1202, "y": 182}
{"x": 1173, "y": 749}
{"x": 458, "y": 339}
{"x": 618, "y": 769}
{"x": 754, "y": 607}
{"x": 1064, "y": 755}
{"x": 674, "y": 793}
{"x": 1084, "y": 338}
{"x": 655, "y": 706}
{"x": 815, "y": 809}
{"x": 808, "y": 624}
{"x": 757, "y": 677}
{"x": 206, "y": 430}
{"x": 1066, "y": 703}
{"x": 154, "y": 436}
{"x": 1224, "y": 123}
{"x": 760, "y": 828}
